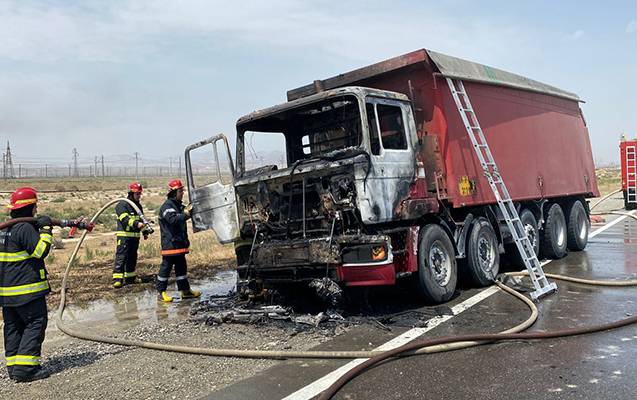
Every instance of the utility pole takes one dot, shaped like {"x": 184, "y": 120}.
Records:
{"x": 95, "y": 167}
{"x": 136, "y": 166}
{"x": 19, "y": 171}
{"x": 75, "y": 154}
{"x": 46, "y": 170}
{"x": 103, "y": 166}
{"x": 8, "y": 163}
{"x": 179, "y": 169}
{"x": 69, "y": 170}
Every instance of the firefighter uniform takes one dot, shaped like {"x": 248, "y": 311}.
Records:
{"x": 23, "y": 287}
{"x": 174, "y": 243}
{"x": 128, "y": 235}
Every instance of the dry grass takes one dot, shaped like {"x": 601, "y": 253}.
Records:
{"x": 608, "y": 179}
{"x": 91, "y": 275}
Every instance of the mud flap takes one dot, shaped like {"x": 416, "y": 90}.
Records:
{"x": 214, "y": 204}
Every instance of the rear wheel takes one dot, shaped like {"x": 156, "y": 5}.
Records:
{"x": 530, "y": 227}
{"x": 437, "y": 268}
{"x": 578, "y": 225}
{"x": 554, "y": 239}
{"x": 483, "y": 257}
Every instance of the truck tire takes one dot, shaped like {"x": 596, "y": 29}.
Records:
{"x": 553, "y": 242}
{"x": 578, "y": 225}
{"x": 532, "y": 231}
{"x": 437, "y": 268}
{"x": 483, "y": 257}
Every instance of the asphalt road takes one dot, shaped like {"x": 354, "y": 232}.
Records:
{"x": 597, "y": 366}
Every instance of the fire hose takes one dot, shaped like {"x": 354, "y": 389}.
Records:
{"x": 413, "y": 348}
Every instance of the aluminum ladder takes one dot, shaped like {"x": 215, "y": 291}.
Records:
{"x": 631, "y": 175}
{"x": 507, "y": 207}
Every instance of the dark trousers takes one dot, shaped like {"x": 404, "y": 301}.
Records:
{"x": 181, "y": 269}
{"x": 126, "y": 259}
{"x": 24, "y": 328}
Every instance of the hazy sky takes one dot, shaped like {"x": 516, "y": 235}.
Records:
{"x": 114, "y": 77}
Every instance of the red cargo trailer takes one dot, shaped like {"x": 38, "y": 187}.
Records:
{"x": 628, "y": 157}
{"x": 381, "y": 180}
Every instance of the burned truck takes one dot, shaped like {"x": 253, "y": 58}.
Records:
{"x": 380, "y": 181}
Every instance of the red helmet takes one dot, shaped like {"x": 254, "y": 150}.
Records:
{"x": 175, "y": 184}
{"x": 135, "y": 187}
{"x": 22, "y": 197}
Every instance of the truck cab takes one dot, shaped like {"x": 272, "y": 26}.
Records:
{"x": 349, "y": 167}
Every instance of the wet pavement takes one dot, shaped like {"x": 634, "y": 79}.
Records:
{"x": 132, "y": 309}
{"x": 596, "y": 366}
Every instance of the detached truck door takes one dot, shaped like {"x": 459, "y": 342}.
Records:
{"x": 215, "y": 203}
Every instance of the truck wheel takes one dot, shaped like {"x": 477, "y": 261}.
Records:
{"x": 483, "y": 257}
{"x": 578, "y": 225}
{"x": 530, "y": 227}
{"x": 554, "y": 238}
{"x": 437, "y": 268}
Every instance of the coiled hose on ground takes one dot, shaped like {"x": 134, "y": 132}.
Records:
{"x": 416, "y": 347}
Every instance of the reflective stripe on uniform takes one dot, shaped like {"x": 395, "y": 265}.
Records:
{"x": 128, "y": 234}
{"x": 131, "y": 221}
{"x": 21, "y": 359}
{"x": 117, "y": 275}
{"x": 12, "y": 257}
{"x": 24, "y": 289}
{"x": 180, "y": 277}
{"x": 168, "y": 210}
{"x": 161, "y": 278}
{"x": 45, "y": 238}
{"x": 123, "y": 215}
{"x": 174, "y": 251}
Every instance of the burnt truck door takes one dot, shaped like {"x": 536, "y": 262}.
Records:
{"x": 214, "y": 203}
{"x": 392, "y": 132}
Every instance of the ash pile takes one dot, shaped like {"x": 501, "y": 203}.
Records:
{"x": 270, "y": 307}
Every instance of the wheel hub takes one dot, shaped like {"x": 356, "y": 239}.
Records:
{"x": 486, "y": 254}
{"x": 440, "y": 264}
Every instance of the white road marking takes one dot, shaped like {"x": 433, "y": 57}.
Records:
{"x": 318, "y": 386}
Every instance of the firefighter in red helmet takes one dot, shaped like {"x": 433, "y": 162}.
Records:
{"x": 130, "y": 227}
{"x": 174, "y": 242}
{"x": 23, "y": 287}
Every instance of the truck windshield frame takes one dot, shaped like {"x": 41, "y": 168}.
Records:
{"x": 312, "y": 131}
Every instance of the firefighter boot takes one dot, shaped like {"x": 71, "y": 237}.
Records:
{"x": 40, "y": 373}
{"x": 163, "y": 296}
{"x": 117, "y": 284}
{"x": 190, "y": 294}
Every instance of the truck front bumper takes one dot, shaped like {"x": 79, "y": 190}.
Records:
{"x": 364, "y": 260}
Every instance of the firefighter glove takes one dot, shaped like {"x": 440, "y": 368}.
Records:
{"x": 188, "y": 210}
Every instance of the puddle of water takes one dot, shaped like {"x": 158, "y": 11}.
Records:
{"x": 143, "y": 306}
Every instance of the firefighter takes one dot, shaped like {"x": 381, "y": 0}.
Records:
{"x": 23, "y": 287}
{"x": 129, "y": 229}
{"x": 174, "y": 242}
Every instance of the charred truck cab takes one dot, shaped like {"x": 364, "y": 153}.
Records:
{"x": 379, "y": 181}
